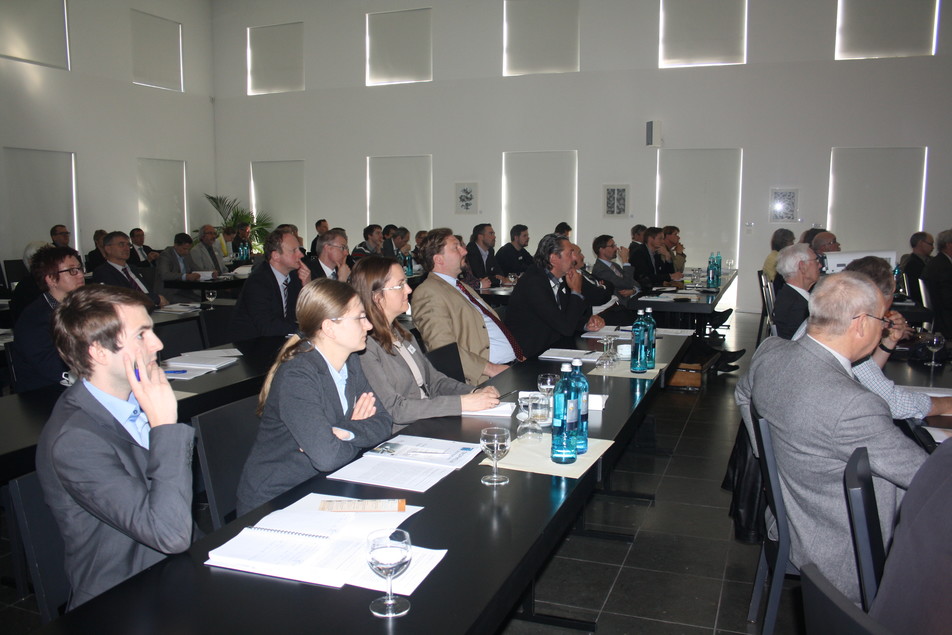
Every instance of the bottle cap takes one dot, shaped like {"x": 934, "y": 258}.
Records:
{"x": 576, "y": 362}
{"x": 648, "y": 310}
{"x": 566, "y": 367}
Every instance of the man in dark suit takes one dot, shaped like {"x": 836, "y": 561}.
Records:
{"x": 938, "y": 277}
{"x": 481, "y": 255}
{"x": 547, "y": 304}
{"x": 114, "y": 465}
{"x": 331, "y": 258}
{"x": 141, "y": 255}
{"x": 96, "y": 257}
{"x": 800, "y": 269}
{"x": 513, "y": 257}
{"x": 621, "y": 277}
{"x": 174, "y": 264}
{"x": 642, "y": 258}
{"x": 57, "y": 271}
{"x": 267, "y": 302}
{"x": 914, "y": 263}
{"x": 116, "y": 271}
{"x": 393, "y": 246}
{"x": 637, "y": 238}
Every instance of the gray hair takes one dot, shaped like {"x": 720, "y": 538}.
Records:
{"x": 944, "y": 238}
{"x": 326, "y": 237}
{"x": 838, "y": 298}
{"x": 789, "y": 259}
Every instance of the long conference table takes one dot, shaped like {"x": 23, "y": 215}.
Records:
{"x": 497, "y": 540}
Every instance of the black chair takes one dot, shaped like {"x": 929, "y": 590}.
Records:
{"x": 215, "y": 325}
{"x": 446, "y": 360}
{"x": 225, "y": 436}
{"x": 774, "y": 556}
{"x": 864, "y": 524}
{"x": 43, "y": 546}
{"x": 8, "y": 353}
{"x": 15, "y": 270}
{"x": 767, "y": 299}
{"x": 180, "y": 336}
{"x": 827, "y": 610}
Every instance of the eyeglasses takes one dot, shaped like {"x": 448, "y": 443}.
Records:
{"x": 362, "y": 316}
{"x": 341, "y": 247}
{"x": 73, "y": 271}
{"x": 887, "y": 323}
{"x": 398, "y": 287}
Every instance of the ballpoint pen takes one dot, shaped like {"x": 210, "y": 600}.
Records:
{"x": 175, "y": 372}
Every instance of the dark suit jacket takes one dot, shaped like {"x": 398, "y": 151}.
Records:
{"x": 642, "y": 261}
{"x": 388, "y": 248}
{"x": 107, "y": 274}
{"x": 913, "y": 266}
{"x": 603, "y": 272}
{"x": 790, "y": 310}
{"x": 134, "y": 256}
{"x": 259, "y": 310}
{"x": 94, "y": 259}
{"x": 295, "y": 441}
{"x": 938, "y": 277}
{"x": 24, "y": 295}
{"x": 536, "y": 320}
{"x": 511, "y": 261}
{"x": 120, "y": 507}
{"x": 490, "y": 269}
{"x": 35, "y": 357}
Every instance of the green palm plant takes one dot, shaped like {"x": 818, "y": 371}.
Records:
{"x": 232, "y": 213}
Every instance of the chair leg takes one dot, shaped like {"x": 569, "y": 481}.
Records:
{"x": 758, "y": 591}
{"x": 773, "y": 599}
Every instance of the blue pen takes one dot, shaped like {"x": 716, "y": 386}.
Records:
{"x": 175, "y": 372}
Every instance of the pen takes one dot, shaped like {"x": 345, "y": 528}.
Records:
{"x": 511, "y": 392}
{"x": 175, "y": 372}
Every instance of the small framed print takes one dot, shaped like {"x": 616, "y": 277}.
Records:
{"x": 467, "y": 198}
{"x": 784, "y": 206}
{"x": 615, "y": 200}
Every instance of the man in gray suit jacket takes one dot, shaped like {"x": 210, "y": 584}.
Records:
{"x": 203, "y": 255}
{"x": 173, "y": 264}
{"x": 114, "y": 465}
{"x": 621, "y": 277}
{"x": 819, "y": 414}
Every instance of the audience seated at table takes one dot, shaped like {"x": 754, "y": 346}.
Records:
{"x": 938, "y": 277}
{"x": 671, "y": 250}
{"x": 223, "y": 244}
{"x": 174, "y": 264}
{"x": 115, "y": 467}
{"x": 621, "y": 277}
{"x": 317, "y": 408}
{"x": 819, "y": 414}
{"x": 57, "y": 271}
{"x": 651, "y": 270}
{"x": 59, "y": 236}
{"x": 116, "y": 270}
{"x": 266, "y": 305}
{"x": 446, "y": 311}
{"x": 396, "y": 243}
{"x": 404, "y": 380}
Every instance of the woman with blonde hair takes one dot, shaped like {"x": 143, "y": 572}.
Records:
{"x": 317, "y": 409}
{"x": 404, "y": 380}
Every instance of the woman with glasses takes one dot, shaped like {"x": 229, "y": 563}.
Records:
{"x": 317, "y": 408}
{"x": 404, "y": 380}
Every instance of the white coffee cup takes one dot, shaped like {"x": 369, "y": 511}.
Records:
{"x": 624, "y": 351}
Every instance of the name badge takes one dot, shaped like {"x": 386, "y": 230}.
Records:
{"x": 411, "y": 349}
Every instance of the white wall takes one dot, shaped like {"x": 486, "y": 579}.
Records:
{"x": 95, "y": 111}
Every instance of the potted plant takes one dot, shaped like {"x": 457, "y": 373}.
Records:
{"x": 232, "y": 213}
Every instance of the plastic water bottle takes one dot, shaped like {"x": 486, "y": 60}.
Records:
{"x": 900, "y": 287}
{"x": 581, "y": 437}
{"x": 639, "y": 356}
{"x": 565, "y": 418}
{"x": 650, "y": 328}
{"x": 717, "y": 263}
{"x": 711, "y": 273}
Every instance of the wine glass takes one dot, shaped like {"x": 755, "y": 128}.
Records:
{"x": 935, "y": 343}
{"x": 495, "y": 443}
{"x": 524, "y": 399}
{"x": 546, "y": 383}
{"x": 608, "y": 358}
{"x": 388, "y": 554}
{"x": 211, "y": 295}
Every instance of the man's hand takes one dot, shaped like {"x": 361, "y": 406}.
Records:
{"x": 152, "y": 390}
{"x": 573, "y": 280}
{"x": 192, "y": 277}
{"x": 623, "y": 254}
{"x": 163, "y": 301}
{"x": 492, "y": 390}
{"x": 343, "y": 273}
{"x": 491, "y": 370}
{"x": 484, "y": 283}
{"x": 153, "y": 256}
{"x": 365, "y": 407}
{"x": 304, "y": 273}
{"x": 677, "y": 275}
{"x": 899, "y": 330}
{"x": 595, "y": 323}
{"x": 664, "y": 253}
{"x": 625, "y": 293}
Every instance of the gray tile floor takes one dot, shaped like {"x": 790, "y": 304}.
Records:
{"x": 683, "y": 573}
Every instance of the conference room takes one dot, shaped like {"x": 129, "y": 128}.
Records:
{"x": 727, "y": 120}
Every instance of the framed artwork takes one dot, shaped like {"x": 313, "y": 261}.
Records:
{"x": 467, "y": 198}
{"x": 784, "y": 205}
{"x": 615, "y": 200}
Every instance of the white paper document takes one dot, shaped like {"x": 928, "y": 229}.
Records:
{"x": 504, "y": 409}
{"x": 938, "y": 434}
{"x": 214, "y": 352}
{"x": 182, "y": 374}
{"x": 568, "y": 354}
{"x": 415, "y": 477}
{"x": 404, "y": 447}
{"x": 200, "y": 361}
{"x": 182, "y": 307}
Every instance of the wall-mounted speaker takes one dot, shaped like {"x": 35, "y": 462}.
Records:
{"x": 653, "y": 134}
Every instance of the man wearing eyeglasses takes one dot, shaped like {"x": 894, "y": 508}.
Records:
{"x": 800, "y": 269}
{"x": 267, "y": 302}
{"x": 331, "y": 262}
{"x": 819, "y": 413}
{"x": 57, "y": 271}
{"x": 116, "y": 270}
{"x": 59, "y": 236}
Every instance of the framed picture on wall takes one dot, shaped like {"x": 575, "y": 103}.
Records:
{"x": 784, "y": 205}
{"x": 467, "y": 198}
{"x": 615, "y": 200}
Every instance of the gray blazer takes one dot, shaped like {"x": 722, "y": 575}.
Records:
{"x": 199, "y": 259}
{"x": 295, "y": 441}
{"x": 394, "y": 385}
{"x": 601, "y": 271}
{"x": 120, "y": 507}
{"x": 167, "y": 268}
{"x": 818, "y": 415}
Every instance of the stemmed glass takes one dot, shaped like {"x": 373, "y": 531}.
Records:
{"x": 608, "y": 358}
{"x": 546, "y": 383}
{"x": 524, "y": 399}
{"x": 211, "y": 295}
{"x": 530, "y": 430}
{"x": 388, "y": 554}
{"x": 495, "y": 443}
{"x": 935, "y": 343}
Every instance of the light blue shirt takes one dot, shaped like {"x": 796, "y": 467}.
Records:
{"x": 128, "y": 413}
{"x": 500, "y": 350}
{"x": 340, "y": 380}
{"x": 181, "y": 265}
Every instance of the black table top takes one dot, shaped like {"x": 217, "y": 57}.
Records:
{"x": 218, "y": 283}
{"x": 705, "y": 303}
{"x": 497, "y": 540}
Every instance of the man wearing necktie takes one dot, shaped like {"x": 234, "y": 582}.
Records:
{"x": 141, "y": 255}
{"x": 331, "y": 260}
{"x": 622, "y": 277}
{"x": 116, "y": 271}
{"x": 267, "y": 302}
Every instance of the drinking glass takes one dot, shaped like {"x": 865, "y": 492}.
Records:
{"x": 524, "y": 400}
{"x": 495, "y": 443}
{"x": 608, "y": 358}
{"x": 388, "y": 554}
{"x": 935, "y": 343}
{"x": 211, "y": 295}
{"x": 546, "y": 383}
{"x": 539, "y": 409}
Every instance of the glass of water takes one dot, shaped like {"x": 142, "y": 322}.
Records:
{"x": 388, "y": 555}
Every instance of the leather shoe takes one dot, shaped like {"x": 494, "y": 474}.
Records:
{"x": 719, "y": 317}
{"x": 729, "y": 357}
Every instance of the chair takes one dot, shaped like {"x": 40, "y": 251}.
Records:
{"x": 864, "y": 525}
{"x": 8, "y": 353}
{"x": 225, "y": 436}
{"x": 827, "y": 610}
{"x": 15, "y": 270}
{"x": 215, "y": 325}
{"x": 446, "y": 360}
{"x": 179, "y": 336}
{"x": 43, "y": 546}
{"x": 767, "y": 298}
{"x": 926, "y": 302}
{"x": 774, "y": 556}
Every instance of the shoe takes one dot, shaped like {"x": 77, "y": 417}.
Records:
{"x": 727, "y": 368}
{"x": 729, "y": 357}
{"x": 719, "y": 317}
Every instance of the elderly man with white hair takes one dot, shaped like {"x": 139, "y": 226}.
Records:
{"x": 800, "y": 269}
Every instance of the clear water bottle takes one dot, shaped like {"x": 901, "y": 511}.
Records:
{"x": 711, "y": 273}
{"x": 565, "y": 418}
{"x": 650, "y": 328}
{"x": 900, "y": 286}
{"x": 717, "y": 263}
{"x": 639, "y": 356}
{"x": 581, "y": 437}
